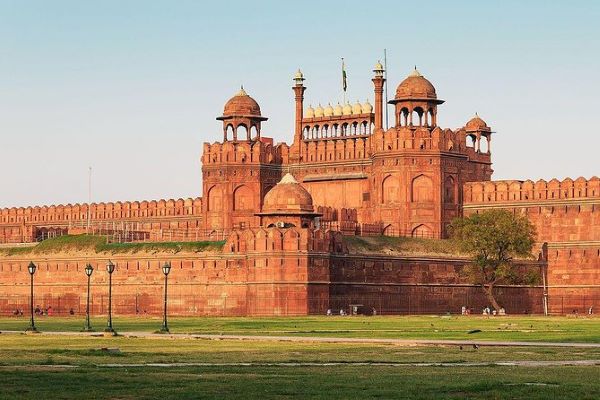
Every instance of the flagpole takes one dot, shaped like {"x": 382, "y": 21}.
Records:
{"x": 87, "y": 231}
{"x": 343, "y": 81}
{"x": 386, "y": 89}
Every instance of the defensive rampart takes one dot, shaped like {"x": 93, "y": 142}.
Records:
{"x": 566, "y": 215}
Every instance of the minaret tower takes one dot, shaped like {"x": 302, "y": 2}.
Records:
{"x": 378, "y": 81}
{"x": 299, "y": 89}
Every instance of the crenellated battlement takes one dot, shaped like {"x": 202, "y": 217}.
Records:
{"x": 261, "y": 151}
{"x": 531, "y": 192}
{"x": 101, "y": 211}
{"x": 437, "y": 139}
{"x": 284, "y": 239}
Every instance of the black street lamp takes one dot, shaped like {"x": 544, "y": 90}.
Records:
{"x": 88, "y": 271}
{"x": 110, "y": 267}
{"x": 165, "y": 269}
{"x": 31, "y": 268}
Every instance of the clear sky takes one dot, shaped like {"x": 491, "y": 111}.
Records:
{"x": 132, "y": 88}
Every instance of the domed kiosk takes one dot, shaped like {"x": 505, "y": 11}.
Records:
{"x": 476, "y": 124}
{"x": 241, "y": 112}
{"x": 416, "y": 101}
{"x": 288, "y": 204}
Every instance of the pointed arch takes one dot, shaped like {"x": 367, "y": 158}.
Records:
{"x": 422, "y": 189}
{"x": 390, "y": 190}
{"x": 243, "y": 198}
{"x": 422, "y": 231}
{"x": 214, "y": 198}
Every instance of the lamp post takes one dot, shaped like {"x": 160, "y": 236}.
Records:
{"x": 88, "y": 271}
{"x": 165, "y": 269}
{"x": 110, "y": 268}
{"x": 31, "y": 268}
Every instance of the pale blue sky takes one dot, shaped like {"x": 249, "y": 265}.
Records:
{"x": 133, "y": 87}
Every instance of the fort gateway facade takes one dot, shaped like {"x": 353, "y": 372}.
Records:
{"x": 344, "y": 173}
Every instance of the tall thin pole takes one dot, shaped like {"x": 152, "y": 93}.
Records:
{"x": 32, "y": 327}
{"x": 89, "y": 200}
{"x": 88, "y": 326}
{"x": 386, "y": 88}
{"x": 165, "y": 327}
{"x": 109, "y": 328}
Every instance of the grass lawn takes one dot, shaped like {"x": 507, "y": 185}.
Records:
{"x": 518, "y": 328}
{"x": 345, "y": 382}
{"x": 73, "y": 367}
{"x": 98, "y": 244}
{"x": 33, "y": 367}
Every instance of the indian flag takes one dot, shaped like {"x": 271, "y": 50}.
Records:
{"x": 344, "y": 82}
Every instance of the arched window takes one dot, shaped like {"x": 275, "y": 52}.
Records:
{"x": 345, "y": 129}
{"x": 484, "y": 144}
{"x": 306, "y": 132}
{"x": 229, "y": 131}
{"x": 242, "y": 132}
{"x": 471, "y": 140}
{"x": 417, "y": 116}
{"x": 404, "y": 117}
{"x": 449, "y": 190}
{"x": 253, "y": 132}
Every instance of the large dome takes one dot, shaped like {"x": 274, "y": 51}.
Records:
{"x": 415, "y": 86}
{"x": 288, "y": 197}
{"x": 241, "y": 105}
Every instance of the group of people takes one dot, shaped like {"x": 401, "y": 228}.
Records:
{"x": 330, "y": 313}
{"x": 486, "y": 311}
{"x": 45, "y": 311}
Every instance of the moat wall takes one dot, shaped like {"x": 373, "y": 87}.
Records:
{"x": 260, "y": 284}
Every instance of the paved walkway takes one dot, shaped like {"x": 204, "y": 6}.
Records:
{"x": 314, "y": 339}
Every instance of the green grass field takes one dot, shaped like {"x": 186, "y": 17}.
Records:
{"x": 73, "y": 367}
{"x": 515, "y": 328}
{"x": 99, "y": 245}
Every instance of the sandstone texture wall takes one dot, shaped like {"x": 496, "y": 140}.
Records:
{"x": 566, "y": 215}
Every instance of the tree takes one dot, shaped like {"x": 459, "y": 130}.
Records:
{"x": 494, "y": 238}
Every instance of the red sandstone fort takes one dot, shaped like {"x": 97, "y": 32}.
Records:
{"x": 283, "y": 210}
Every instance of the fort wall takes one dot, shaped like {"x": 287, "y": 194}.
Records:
{"x": 566, "y": 215}
{"x": 25, "y": 224}
{"x": 258, "y": 282}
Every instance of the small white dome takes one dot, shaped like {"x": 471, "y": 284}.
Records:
{"x": 357, "y": 108}
{"x": 328, "y": 111}
{"x": 347, "y": 110}
{"x": 319, "y": 111}
{"x": 338, "y": 110}
{"x": 367, "y": 108}
{"x": 310, "y": 112}
{"x": 299, "y": 76}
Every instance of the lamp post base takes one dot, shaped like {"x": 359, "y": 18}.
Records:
{"x": 108, "y": 332}
{"x": 32, "y": 330}
{"x": 164, "y": 330}
{"x": 87, "y": 329}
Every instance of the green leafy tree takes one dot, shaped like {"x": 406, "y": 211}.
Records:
{"x": 494, "y": 238}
